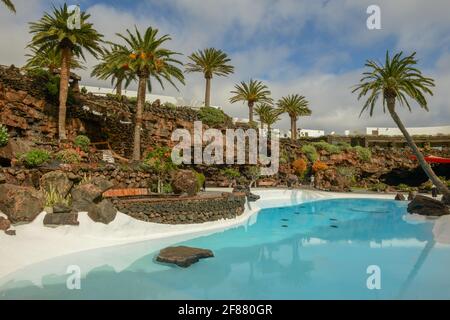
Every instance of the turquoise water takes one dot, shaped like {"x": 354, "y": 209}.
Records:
{"x": 317, "y": 250}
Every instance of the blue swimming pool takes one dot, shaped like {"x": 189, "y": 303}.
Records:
{"x": 316, "y": 250}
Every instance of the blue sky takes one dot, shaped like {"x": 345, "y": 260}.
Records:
{"x": 311, "y": 47}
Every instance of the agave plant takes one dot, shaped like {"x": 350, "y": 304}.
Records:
{"x": 399, "y": 80}
{"x": 147, "y": 59}
{"x": 210, "y": 62}
{"x": 295, "y": 106}
{"x": 52, "y": 32}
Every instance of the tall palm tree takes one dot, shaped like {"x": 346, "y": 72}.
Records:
{"x": 147, "y": 59}
{"x": 49, "y": 59}
{"x": 120, "y": 74}
{"x": 253, "y": 92}
{"x": 267, "y": 115}
{"x": 210, "y": 62}
{"x": 397, "y": 81}
{"x": 295, "y": 106}
{"x": 52, "y": 32}
{"x": 9, "y": 5}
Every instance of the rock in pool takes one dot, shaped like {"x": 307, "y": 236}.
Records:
{"x": 183, "y": 256}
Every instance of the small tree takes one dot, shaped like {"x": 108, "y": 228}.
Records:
{"x": 160, "y": 162}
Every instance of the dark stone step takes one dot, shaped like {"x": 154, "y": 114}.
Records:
{"x": 183, "y": 256}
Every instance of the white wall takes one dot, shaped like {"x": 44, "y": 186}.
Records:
{"x": 133, "y": 94}
{"x": 431, "y": 131}
{"x": 311, "y": 133}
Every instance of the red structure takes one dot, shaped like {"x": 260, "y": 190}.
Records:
{"x": 433, "y": 159}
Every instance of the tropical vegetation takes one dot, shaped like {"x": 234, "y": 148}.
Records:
{"x": 148, "y": 60}
{"x": 9, "y": 5}
{"x": 252, "y": 92}
{"x": 295, "y": 106}
{"x": 211, "y": 62}
{"x": 52, "y": 32}
{"x": 399, "y": 80}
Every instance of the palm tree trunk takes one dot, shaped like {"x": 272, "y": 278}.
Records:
{"x": 250, "y": 111}
{"x": 139, "y": 111}
{"x": 64, "y": 92}
{"x": 293, "y": 129}
{"x": 119, "y": 88}
{"x": 425, "y": 165}
{"x": 208, "y": 92}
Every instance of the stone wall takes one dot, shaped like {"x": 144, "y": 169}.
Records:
{"x": 184, "y": 210}
{"x": 120, "y": 177}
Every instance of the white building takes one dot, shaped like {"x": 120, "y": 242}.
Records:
{"x": 309, "y": 133}
{"x": 99, "y": 91}
{"x": 418, "y": 131}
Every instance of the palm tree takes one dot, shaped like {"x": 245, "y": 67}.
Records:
{"x": 253, "y": 92}
{"x": 399, "y": 80}
{"x": 210, "y": 62}
{"x": 9, "y": 5}
{"x": 267, "y": 115}
{"x": 295, "y": 106}
{"x": 110, "y": 68}
{"x": 49, "y": 59}
{"x": 52, "y": 32}
{"x": 147, "y": 59}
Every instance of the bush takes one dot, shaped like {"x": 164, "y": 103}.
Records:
{"x": 319, "y": 166}
{"x": 84, "y": 90}
{"x": 344, "y": 146}
{"x": 330, "y": 148}
{"x": 213, "y": 117}
{"x": 347, "y": 172}
{"x": 82, "y": 142}
{"x": 51, "y": 84}
{"x": 200, "y": 180}
{"x": 310, "y": 152}
{"x": 379, "y": 187}
{"x": 364, "y": 154}
{"x": 300, "y": 166}
{"x": 403, "y": 187}
{"x": 170, "y": 106}
{"x": 230, "y": 173}
{"x": 34, "y": 158}
{"x": 68, "y": 156}
{"x": 4, "y": 136}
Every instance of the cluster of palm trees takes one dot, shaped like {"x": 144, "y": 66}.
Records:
{"x": 142, "y": 57}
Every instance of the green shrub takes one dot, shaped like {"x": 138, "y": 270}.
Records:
{"x": 50, "y": 83}
{"x": 330, "y": 148}
{"x": 84, "y": 90}
{"x": 344, "y": 146}
{"x": 403, "y": 187}
{"x": 310, "y": 152}
{"x": 364, "y": 154}
{"x": 213, "y": 117}
{"x": 170, "y": 106}
{"x": 379, "y": 187}
{"x": 68, "y": 156}
{"x": 4, "y": 136}
{"x": 34, "y": 158}
{"x": 347, "y": 172}
{"x": 132, "y": 100}
{"x": 230, "y": 173}
{"x": 200, "y": 180}
{"x": 82, "y": 142}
